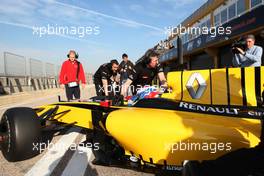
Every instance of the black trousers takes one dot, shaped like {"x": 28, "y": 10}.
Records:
{"x": 72, "y": 92}
{"x": 100, "y": 90}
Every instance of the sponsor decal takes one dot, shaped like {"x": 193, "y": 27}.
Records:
{"x": 196, "y": 94}
{"x": 212, "y": 109}
{"x": 232, "y": 111}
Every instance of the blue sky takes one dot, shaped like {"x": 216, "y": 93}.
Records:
{"x": 124, "y": 26}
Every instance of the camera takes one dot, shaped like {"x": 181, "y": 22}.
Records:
{"x": 241, "y": 43}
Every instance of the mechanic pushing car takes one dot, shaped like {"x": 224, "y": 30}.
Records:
{"x": 70, "y": 76}
{"x": 144, "y": 72}
{"x": 103, "y": 76}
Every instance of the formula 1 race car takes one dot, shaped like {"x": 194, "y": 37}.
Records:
{"x": 206, "y": 114}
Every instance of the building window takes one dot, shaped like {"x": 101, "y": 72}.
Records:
{"x": 174, "y": 43}
{"x": 232, "y": 11}
{"x": 255, "y": 3}
{"x": 241, "y": 6}
{"x": 203, "y": 24}
{"x": 190, "y": 37}
{"x": 217, "y": 19}
{"x": 185, "y": 38}
{"x": 208, "y": 23}
{"x": 224, "y": 16}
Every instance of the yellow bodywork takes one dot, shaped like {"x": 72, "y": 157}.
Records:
{"x": 157, "y": 135}
{"x": 78, "y": 116}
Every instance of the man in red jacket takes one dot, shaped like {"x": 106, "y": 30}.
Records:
{"x": 70, "y": 76}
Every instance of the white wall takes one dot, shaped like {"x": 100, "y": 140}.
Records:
{"x": 2, "y": 67}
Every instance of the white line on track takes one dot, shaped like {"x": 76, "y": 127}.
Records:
{"x": 79, "y": 161}
{"x": 50, "y": 160}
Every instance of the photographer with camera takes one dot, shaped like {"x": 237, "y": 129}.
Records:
{"x": 246, "y": 53}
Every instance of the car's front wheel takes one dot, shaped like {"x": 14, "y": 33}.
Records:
{"x": 20, "y": 133}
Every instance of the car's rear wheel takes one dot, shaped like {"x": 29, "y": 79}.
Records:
{"x": 20, "y": 134}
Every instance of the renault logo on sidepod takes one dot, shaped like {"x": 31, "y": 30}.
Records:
{"x": 201, "y": 87}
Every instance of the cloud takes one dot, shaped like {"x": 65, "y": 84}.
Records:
{"x": 130, "y": 23}
{"x": 175, "y": 6}
{"x": 136, "y": 7}
{"x": 30, "y": 12}
{"x": 180, "y": 3}
{"x": 164, "y": 9}
{"x": 25, "y": 51}
{"x": 64, "y": 36}
{"x": 146, "y": 11}
{"x": 19, "y": 7}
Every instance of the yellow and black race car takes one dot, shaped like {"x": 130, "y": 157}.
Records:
{"x": 206, "y": 114}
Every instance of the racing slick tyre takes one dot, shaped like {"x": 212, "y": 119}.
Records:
{"x": 20, "y": 133}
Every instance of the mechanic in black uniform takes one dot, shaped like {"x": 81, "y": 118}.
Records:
{"x": 144, "y": 72}
{"x": 125, "y": 68}
{"x": 102, "y": 78}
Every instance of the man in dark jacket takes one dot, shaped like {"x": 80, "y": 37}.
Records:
{"x": 103, "y": 76}
{"x": 144, "y": 72}
{"x": 125, "y": 68}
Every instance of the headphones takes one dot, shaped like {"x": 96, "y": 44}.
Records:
{"x": 72, "y": 51}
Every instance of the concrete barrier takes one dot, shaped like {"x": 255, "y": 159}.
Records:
{"x": 10, "y": 85}
{"x": 2, "y": 88}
